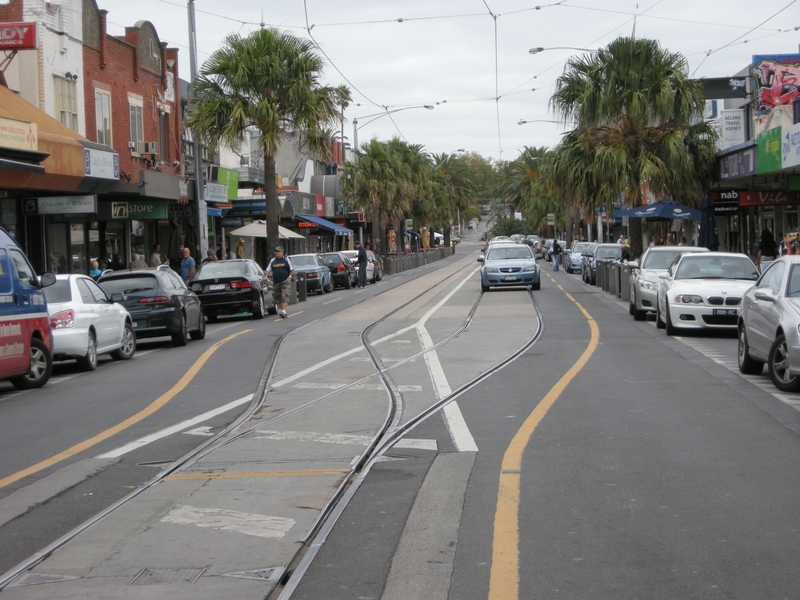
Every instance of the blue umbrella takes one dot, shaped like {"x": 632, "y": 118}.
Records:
{"x": 708, "y": 236}
{"x": 663, "y": 211}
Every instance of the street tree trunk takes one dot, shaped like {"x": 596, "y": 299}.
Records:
{"x": 273, "y": 208}
{"x": 635, "y": 226}
{"x": 446, "y": 239}
{"x": 376, "y": 230}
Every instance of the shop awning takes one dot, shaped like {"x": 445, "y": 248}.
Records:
{"x": 213, "y": 212}
{"x": 325, "y": 224}
{"x": 259, "y": 229}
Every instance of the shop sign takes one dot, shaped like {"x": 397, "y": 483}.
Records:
{"x": 738, "y": 164}
{"x": 181, "y": 210}
{"x": 229, "y": 178}
{"x": 130, "y": 209}
{"x": 18, "y": 134}
{"x": 790, "y": 146}
{"x": 732, "y": 128}
{"x": 250, "y": 205}
{"x": 768, "y": 146}
{"x": 776, "y": 79}
{"x": 216, "y": 192}
{"x": 100, "y": 164}
{"x": 724, "y": 87}
{"x": 18, "y": 36}
{"x": 306, "y": 225}
{"x": 768, "y": 198}
{"x": 59, "y": 205}
{"x": 233, "y": 222}
{"x": 725, "y": 200}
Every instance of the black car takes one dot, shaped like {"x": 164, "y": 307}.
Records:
{"x": 228, "y": 287}
{"x": 343, "y": 273}
{"x": 159, "y": 303}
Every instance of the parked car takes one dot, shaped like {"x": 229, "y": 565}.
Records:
{"x": 159, "y": 303}
{"x": 645, "y": 277}
{"x": 517, "y": 238}
{"x": 374, "y": 272}
{"x": 586, "y": 262}
{"x": 318, "y": 276}
{"x": 27, "y": 361}
{"x": 547, "y": 250}
{"x": 472, "y": 225}
{"x": 509, "y": 264}
{"x": 599, "y": 252}
{"x": 341, "y": 267}
{"x": 572, "y": 261}
{"x": 769, "y": 322}
{"x": 703, "y": 291}
{"x": 228, "y": 287}
{"x": 85, "y": 322}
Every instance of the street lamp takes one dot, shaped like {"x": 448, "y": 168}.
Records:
{"x": 540, "y": 49}
{"x": 381, "y": 115}
{"x": 523, "y": 122}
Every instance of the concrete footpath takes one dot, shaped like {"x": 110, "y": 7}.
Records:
{"x": 229, "y": 524}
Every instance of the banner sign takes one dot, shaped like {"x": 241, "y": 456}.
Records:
{"x": 738, "y": 164}
{"x": 132, "y": 209}
{"x": 59, "y": 205}
{"x": 732, "y": 128}
{"x": 100, "y": 164}
{"x": 18, "y": 36}
{"x": 790, "y": 146}
{"x": 216, "y": 192}
{"x": 725, "y": 200}
{"x": 776, "y": 80}
{"x": 769, "y": 151}
{"x": 720, "y": 88}
{"x": 230, "y": 222}
{"x": 768, "y": 198}
{"x": 18, "y": 134}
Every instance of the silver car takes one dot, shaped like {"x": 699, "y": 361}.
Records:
{"x": 86, "y": 322}
{"x": 573, "y": 259}
{"x": 768, "y": 325}
{"x": 645, "y": 277}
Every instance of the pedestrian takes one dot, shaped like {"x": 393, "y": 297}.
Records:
{"x": 767, "y": 249}
{"x": 626, "y": 253}
{"x": 95, "y": 271}
{"x": 116, "y": 263}
{"x": 621, "y": 239}
{"x": 211, "y": 256}
{"x": 240, "y": 249}
{"x": 281, "y": 270}
{"x": 671, "y": 239}
{"x": 556, "y": 251}
{"x": 230, "y": 255}
{"x": 155, "y": 257}
{"x": 362, "y": 265}
{"x": 187, "y": 266}
{"x": 683, "y": 241}
{"x": 137, "y": 262}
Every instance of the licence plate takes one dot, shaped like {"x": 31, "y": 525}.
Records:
{"x": 510, "y": 277}
{"x": 725, "y": 312}
{"x": 135, "y": 324}
{"x": 218, "y": 286}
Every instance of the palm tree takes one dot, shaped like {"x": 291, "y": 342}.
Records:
{"x": 269, "y": 81}
{"x": 638, "y": 119}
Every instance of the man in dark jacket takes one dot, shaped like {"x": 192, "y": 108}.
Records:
{"x": 362, "y": 265}
{"x": 281, "y": 270}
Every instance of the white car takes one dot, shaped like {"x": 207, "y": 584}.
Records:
{"x": 374, "y": 272}
{"x": 86, "y": 322}
{"x": 645, "y": 277}
{"x": 703, "y": 290}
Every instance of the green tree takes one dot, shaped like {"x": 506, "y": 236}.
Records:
{"x": 268, "y": 81}
{"x": 638, "y": 119}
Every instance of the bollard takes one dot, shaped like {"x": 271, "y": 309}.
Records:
{"x": 598, "y": 274}
{"x": 625, "y": 284}
{"x": 613, "y": 280}
{"x": 302, "y": 291}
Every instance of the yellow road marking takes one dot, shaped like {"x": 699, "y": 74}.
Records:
{"x": 504, "y": 577}
{"x": 240, "y": 474}
{"x": 299, "y": 312}
{"x": 145, "y": 412}
{"x": 334, "y": 300}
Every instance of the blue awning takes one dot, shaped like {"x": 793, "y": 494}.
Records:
{"x": 325, "y": 224}
{"x": 213, "y": 212}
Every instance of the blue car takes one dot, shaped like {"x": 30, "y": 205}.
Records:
{"x": 509, "y": 265}
{"x": 573, "y": 260}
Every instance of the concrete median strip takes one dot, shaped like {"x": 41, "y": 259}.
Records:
{"x": 223, "y": 519}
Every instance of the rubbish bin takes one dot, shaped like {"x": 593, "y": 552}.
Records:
{"x": 613, "y": 280}
{"x": 625, "y": 284}
{"x": 302, "y": 292}
{"x": 598, "y": 274}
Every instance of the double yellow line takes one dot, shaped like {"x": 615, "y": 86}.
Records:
{"x": 145, "y": 412}
{"x": 504, "y": 577}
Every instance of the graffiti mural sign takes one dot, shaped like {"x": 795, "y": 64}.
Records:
{"x": 777, "y": 80}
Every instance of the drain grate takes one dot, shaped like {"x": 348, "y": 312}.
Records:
{"x": 152, "y": 576}
{"x": 40, "y": 578}
{"x": 270, "y": 574}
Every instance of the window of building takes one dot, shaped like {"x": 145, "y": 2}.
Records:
{"x": 102, "y": 111}
{"x": 67, "y": 102}
{"x": 137, "y": 122}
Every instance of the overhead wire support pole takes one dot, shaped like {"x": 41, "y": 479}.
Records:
{"x": 202, "y": 220}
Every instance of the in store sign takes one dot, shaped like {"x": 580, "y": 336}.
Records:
{"x": 128, "y": 209}
{"x": 59, "y": 205}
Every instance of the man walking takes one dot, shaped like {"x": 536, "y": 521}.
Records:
{"x": 362, "y": 265}
{"x": 556, "y": 254}
{"x": 187, "y": 266}
{"x": 281, "y": 270}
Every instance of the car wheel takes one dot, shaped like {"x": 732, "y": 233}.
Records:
{"x": 41, "y": 368}
{"x": 128, "y": 347}
{"x": 747, "y": 365}
{"x": 347, "y": 283}
{"x": 212, "y": 318}
{"x": 671, "y": 329}
{"x": 261, "y": 309}
{"x": 537, "y": 286}
{"x": 659, "y": 323}
{"x": 88, "y": 362}
{"x": 330, "y": 286}
{"x": 779, "y": 366}
{"x": 272, "y": 309}
{"x": 180, "y": 337}
{"x": 200, "y": 332}
{"x": 638, "y": 315}
{"x": 484, "y": 288}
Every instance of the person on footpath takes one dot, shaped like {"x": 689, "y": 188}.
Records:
{"x": 187, "y": 266}
{"x": 281, "y": 270}
{"x": 556, "y": 254}
{"x": 211, "y": 256}
{"x": 155, "y": 257}
{"x": 767, "y": 249}
{"x": 137, "y": 262}
{"x": 362, "y": 266}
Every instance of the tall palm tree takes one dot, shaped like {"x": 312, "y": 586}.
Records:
{"x": 638, "y": 119}
{"x": 268, "y": 80}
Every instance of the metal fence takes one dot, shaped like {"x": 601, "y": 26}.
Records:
{"x": 412, "y": 261}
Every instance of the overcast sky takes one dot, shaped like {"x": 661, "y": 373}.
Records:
{"x": 460, "y": 56}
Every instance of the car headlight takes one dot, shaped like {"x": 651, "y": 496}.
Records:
{"x": 529, "y": 269}
{"x": 689, "y": 299}
{"x": 648, "y": 285}
{"x": 491, "y": 270}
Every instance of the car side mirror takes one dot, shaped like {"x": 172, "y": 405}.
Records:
{"x": 633, "y": 264}
{"x": 117, "y": 297}
{"x": 588, "y": 255}
{"x": 664, "y": 275}
{"x": 481, "y": 258}
{"x": 47, "y": 278}
{"x": 765, "y": 295}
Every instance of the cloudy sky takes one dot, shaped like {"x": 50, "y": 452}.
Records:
{"x": 469, "y": 58}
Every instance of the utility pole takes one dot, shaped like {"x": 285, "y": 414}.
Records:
{"x": 202, "y": 219}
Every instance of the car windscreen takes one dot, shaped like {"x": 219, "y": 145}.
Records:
{"x": 517, "y": 253}
{"x": 60, "y": 291}
{"x": 581, "y": 247}
{"x": 129, "y": 285}
{"x": 614, "y": 251}
{"x": 660, "y": 260}
{"x": 303, "y": 261}
{"x": 717, "y": 267}
{"x": 793, "y": 290}
{"x": 331, "y": 260}
{"x": 221, "y": 269}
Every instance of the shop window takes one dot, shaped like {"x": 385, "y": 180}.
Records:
{"x": 57, "y": 250}
{"x": 78, "y": 249}
{"x": 66, "y": 91}
{"x": 102, "y": 108}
